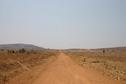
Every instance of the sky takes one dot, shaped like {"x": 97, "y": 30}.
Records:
{"x": 62, "y": 24}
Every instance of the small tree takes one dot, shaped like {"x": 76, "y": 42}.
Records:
{"x": 103, "y": 52}
{"x": 10, "y": 51}
{"x": 22, "y": 50}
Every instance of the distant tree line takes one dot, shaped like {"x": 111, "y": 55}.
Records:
{"x": 21, "y": 51}
{"x": 17, "y": 51}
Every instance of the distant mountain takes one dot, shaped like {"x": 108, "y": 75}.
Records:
{"x": 97, "y": 50}
{"x": 109, "y": 49}
{"x": 20, "y": 46}
{"x": 119, "y": 48}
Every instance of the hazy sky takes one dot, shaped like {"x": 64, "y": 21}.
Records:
{"x": 64, "y": 23}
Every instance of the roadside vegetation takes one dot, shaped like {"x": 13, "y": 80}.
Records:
{"x": 110, "y": 62}
{"x": 14, "y": 62}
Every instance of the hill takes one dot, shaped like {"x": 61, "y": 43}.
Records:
{"x": 19, "y": 46}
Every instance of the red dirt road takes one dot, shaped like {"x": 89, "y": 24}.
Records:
{"x": 65, "y": 71}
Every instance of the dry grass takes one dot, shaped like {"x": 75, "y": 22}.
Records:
{"x": 113, "y": 63}
{"x": 10, "y": 62}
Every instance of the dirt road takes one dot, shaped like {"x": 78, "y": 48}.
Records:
{"x": 65, "y": 71}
